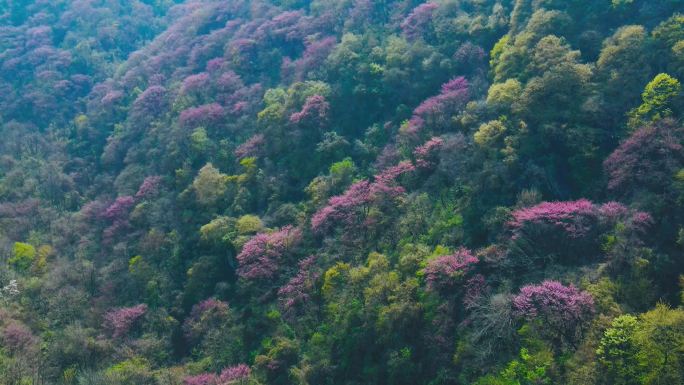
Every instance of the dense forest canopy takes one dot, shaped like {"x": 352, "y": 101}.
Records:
{"x": 341, "y": 192}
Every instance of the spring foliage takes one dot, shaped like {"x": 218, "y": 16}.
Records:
{"x": 214, "y": 192}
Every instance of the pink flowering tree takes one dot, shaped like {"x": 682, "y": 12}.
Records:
{"x": 205, "y": 316}
{"x": 645, "y": 163}
{"x": 314, "y": 56}
{"x": 201, "y": 379}
{"x": 553, "y": 231}
{"x": 16, "y": 337}
{"x": 564, "y": 312}
{"x": 117, "y": 214}
{"x": 234, "y": 375}
{"x": 195, "y": 83}
{"x": 566, "y": 232}
{"x": 253, "y": 147}
{"x": 436, "y": 112}
{"x": 296, "y": 294}
{"x": 120, "y": 208}
{"x": 122, "y": 320}
{"x": 445, "y": 273}
{"x": 426, "y": 154}
{"x": 416, "y": 23}
{"x": 208, "y": 115}
{"x": 313, "y": 114}
{"x": 347, "y": 209}
{"x": 149, "y": 187}
{"x": 351, "y": 209}
{"x": 151, "y": 103}
{"x": 263, "y": 256}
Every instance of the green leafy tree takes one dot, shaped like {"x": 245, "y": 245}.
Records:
{"x": 617, "y": 352}
{"x": 659, "y": 99}
{"x": 23, "y": 255}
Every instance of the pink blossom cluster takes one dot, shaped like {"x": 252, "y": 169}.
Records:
{"x": 314, "y": 56}
{"x": 613, "y": 210}
{"x": 210, "y": 305}
{"x": 195, "y": 83}
{"x": 445, "y": 271}
{"x": 201, "y": 379}
{"x": 297, "y": 292}
{"x": 343, "y": 208}
{"x": 205, "y": 315}
{"x": 647, "y": 159}
{"x": 385, "y": 183}
{"x": 205, "y": 115}
{"x": 229, "y": 82}
{"x": 117, "y": 213}
{"x": 475, "y": 289}
{"x": 454, "y": 92}
{"x": 120, "y": 208}
{"x": 118, "y": 227}
{"x": 151, "y": 102}
{"x": 261, "y": 257}
{"x": 641, "y": 221}
{"x": 287, "y": 27}
{"x": 577, "y": 218}
{"x": 414, "y": 24}
{"x": 112, "y": 97}
{"x": 149, "y": 187}
{"x": 234, "y": 373}
{"x": 17, "y": 337}
{"x": 314, "y": 112}
{"x": 121, "y": 320}
{"x": 452, "y": 98}
{"x": 252, "y": 147}
{"x": 349, "y": 208}
{"x": 229, "y": 376}
{"x": 570, "y": 216}
{"x": 215, "y": 64}
{"x": 638, "y": 221}
{"x": 469, "y": 56}
{"x": 22, "y": 208}
{"x": 562, "y": 308}
{"x": 552, "y": 298}
{"x": 426, "y": 152}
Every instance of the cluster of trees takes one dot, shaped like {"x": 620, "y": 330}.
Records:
{"x": 346, "y": 192}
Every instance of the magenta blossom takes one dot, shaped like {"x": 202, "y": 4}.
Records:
{"x": 119, "y": 208}
{"x": 252, "y": 147}
{"x": 314, "y": 112}
{"x": 120, "y": 321}
{"x": 414, "y": 25}
{"x": 149, "y": 187}
{"x": 206, "y": 115}
{"x": 564, "y": 310}
{"x": 424, "y": 154}
{"x": 446, "y": 271}
{"x": 262, "y": 256}
{"x": 297, "y": 292}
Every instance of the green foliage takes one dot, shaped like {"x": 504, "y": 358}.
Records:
{"x": 617, "y": 351}
{"x": 528, "y": 369}
{"x": 505, "y": 94}
{"x": 248, "y": 224}
{"x": 154, "y": 150}
{"x": 489, "y": 132}
{"x": 23, "y": 255}
{"x": 644, "y": 350}
{"x": 210, "y": 185}
{"x": 135, "y": 371}
{"x": 658, "y": 98}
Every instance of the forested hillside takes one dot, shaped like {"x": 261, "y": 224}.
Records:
{"x": 341, "y": 192}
